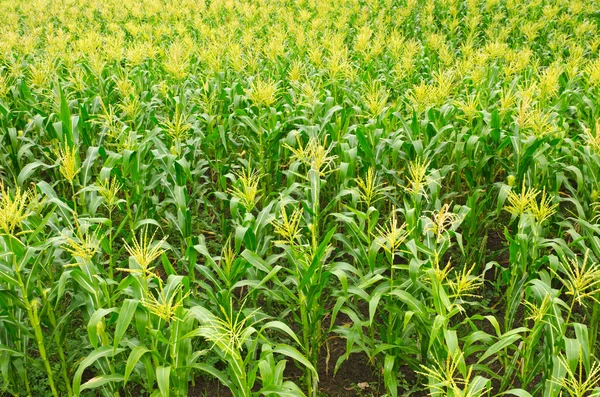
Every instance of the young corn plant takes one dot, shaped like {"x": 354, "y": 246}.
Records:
{"x": 155, "y": 309}
{"x": 525, "y": 247}
{"x": 25, "y": 267}
{"x": 307, "y": 252}
{"x": 247, "y": 352}
{"x": 450, "y": 378}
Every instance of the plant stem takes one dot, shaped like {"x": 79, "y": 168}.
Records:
{"x": 111, "y": 257}
{"x": 35, "y": 322}
{"x": 594, "y": 326}
{"x": 61, "y": 352}
{"x": 306, "y": 340}
{"x": 39, "y": 337}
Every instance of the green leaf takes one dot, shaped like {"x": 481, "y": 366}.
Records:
{"x": 280, "y": 391}
{"x": 316, "y": 262}
{"x": 209, "y": 369}
{"x": 504, "y": 342}
{"x": 163, "y": 375}
{"x": 256, "y": 261}
{"x": 135, "y": 356}
{"x": 293, "y": 353}
{"x": 517, "y": 392}
{"x": 65, "y": 118}
{"x": 389, "y": 375}
{"x": 101, "y": 380}
{"x": 125, "y": 315}
{"x": 88, "y": 164}
{"x": 581, "y": 332}
{"x": 104, "y": 351}
{"x": 94, "y": 322}
{"x": 28, "y": 170}
{"x": 282, "y": 327}
{"x": 415, "y": 305}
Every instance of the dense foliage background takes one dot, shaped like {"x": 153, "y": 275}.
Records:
{"x": 197, "y": 191}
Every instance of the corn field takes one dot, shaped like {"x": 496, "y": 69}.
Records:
{"x": 299, "y": 198}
